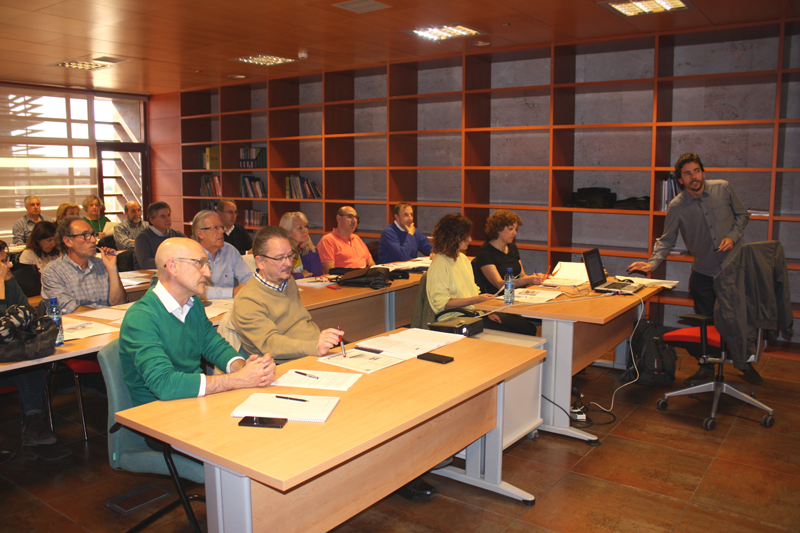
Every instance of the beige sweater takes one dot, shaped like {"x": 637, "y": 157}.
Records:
{"x": 269, "y": 321}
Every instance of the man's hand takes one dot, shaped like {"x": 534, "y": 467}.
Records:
{"x": 411, "y": 229}
{"x": 641, "y": 266}
{"x": 328, "y": 339}
{"x": 109, "y": 257}
{"x": 725, "y": 245}
{"x": 256, "y": 372}
{"x": 494, "y": 318}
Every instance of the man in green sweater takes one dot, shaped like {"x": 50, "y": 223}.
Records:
{"x": 267, "y": 312}
{"x": 166, "y": 333}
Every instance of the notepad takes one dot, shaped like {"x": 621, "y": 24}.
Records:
{"x": 313, "y": 409}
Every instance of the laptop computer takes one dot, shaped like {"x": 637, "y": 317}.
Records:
{"x": 597, "y": 276}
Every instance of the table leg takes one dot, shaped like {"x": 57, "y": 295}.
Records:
{"x": 557, "y": 380}
{"x": 228, "y": 502}
{"x": 484, "y": 468}
{"x": 390, "y": 314}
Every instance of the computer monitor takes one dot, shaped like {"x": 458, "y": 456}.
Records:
{"x": 594, "y": 267}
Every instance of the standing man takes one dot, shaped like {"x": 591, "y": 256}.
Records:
{"x": 78, "y": 277}
{"x": 711, "y": 219}
{"x": 24, "y": 225}
{"x": 342, "y": 248}
{"x": 268, "y": 314}
{"x": 235, "y": 233}
{"x": 228, "y": 271}
{"x": 159, "y": 215}
{"x": 125, "y": 232}
{"x": 400, "y": 241}
{"x": 166, "y": 333}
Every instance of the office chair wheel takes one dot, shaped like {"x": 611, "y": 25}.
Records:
{"x": 768, "y": 421}
{"x": 662, "y": 404}
{"x": 709, "y": 424}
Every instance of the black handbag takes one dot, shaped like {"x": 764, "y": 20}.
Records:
{"x": 25, "y": 336}
{"x": 372, "y": 277}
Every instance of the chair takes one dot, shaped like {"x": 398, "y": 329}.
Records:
{"x": 373, "y": 247}
{"x": 107, "y": 242}
{"x": 423, "y": 313}
{"x": 126, "y": 261}
{"x": 29, "y": 279}
{"x": 79, "y": 367}
{"x": 127, "y": 449}
{"x": 750, "y": 290}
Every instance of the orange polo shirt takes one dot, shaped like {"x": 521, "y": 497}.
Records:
{"x": 343, "y": 253}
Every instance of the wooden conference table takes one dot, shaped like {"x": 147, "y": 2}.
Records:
{"x": 578, "y": 333}
{"x": 389, "y": 428}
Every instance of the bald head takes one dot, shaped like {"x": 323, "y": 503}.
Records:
{"x": 133, "y": 210}
{"x": 182, "y": 268}
{"x": 176, "y": 247}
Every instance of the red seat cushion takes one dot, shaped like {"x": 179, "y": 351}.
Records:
{"x": 82, "y": 366}
{"x": 693, "y": 335}
{"x": 4, "y": 390}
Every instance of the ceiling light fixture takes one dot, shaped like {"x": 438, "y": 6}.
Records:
{"x": 442, "y": 33}
{"x": 82, "y": 65}
{"x": 480, "y": 43}
{"x": 237, "y": 76}
{"x": 632, "y": 8}
{"x": 264, "y": 60}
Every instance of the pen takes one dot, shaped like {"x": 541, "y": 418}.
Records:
{"x": 306, "y": 375}
{"x": 341, "y": 343}
{"x": 289, "y": 398}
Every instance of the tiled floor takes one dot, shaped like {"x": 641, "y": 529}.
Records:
{"x": 655, "y": 471}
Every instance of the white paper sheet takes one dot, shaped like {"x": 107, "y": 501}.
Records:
{"x": 533, "y": 296}
{"x": 106, "y": 313}
{"x": 321, "y": 380}
{"x": 80, "y": 329}
{"x": 361, "y": 361}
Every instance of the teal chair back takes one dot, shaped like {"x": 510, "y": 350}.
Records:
{"x": 127, "y": 449}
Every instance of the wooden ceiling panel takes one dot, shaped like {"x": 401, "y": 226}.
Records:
{"x": 40, "y": 21}
{"x": 670, "y": 21}
{"x": 736, "y": 11}
{"x": 87, "y": 12}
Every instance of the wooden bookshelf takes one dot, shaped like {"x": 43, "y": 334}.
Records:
{"x": 518, "y": 129}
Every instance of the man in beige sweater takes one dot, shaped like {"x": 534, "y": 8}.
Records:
{"x": 267, "y": 312}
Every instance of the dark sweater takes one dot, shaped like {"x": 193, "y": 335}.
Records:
{"x": 14, "y": 296}
{"x": 239, "y": 238}
{"x": 146, "y": 244}
{"x": 489, "y": 255}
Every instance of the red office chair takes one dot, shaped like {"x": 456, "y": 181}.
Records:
{"x": 752, "y": 298}
{"x": 78, "y": 367}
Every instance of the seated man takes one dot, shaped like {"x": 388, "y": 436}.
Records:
{"x": 235, "y": 233}
{"x": 228, "y": 271}
{"x": 78, "y": 277}
{"x": 342, "y": 248}
{"x": 166, "y": 333}
{"x": 400, "y": 241}
{"x": 268, "y": 314}
{"x": 125, "y": 232}
{"x": 159, "y": 215}
{"x": 24, "y": 225}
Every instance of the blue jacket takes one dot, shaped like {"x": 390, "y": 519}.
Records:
{"x": 395, "y": 244}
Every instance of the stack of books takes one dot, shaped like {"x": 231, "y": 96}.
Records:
{"x": 253, "y": 217}
{"x": 210, "y": 186}
{"x": 209, "y": 158}
{"x": 669, "y": 190}
{"x": 252, "y": 158}
{"x": 252, "y": 187}
{"x": 302, "y": 188}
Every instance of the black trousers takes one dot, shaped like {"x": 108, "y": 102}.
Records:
{"x": 513, "y": 324}
{"x": 702, "y": 289}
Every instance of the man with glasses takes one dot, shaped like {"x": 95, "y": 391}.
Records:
{"x": 78, "y": 278}
{"x": 268, "y": 314}
{"x": 159, "y": 215}
{"x": 235, "y": 233}
{"x": 228, "y": 271}
{"x": 125, "y": 232}
{"x": 342, "y": 248}
{"x": 24, "y": 225}
{"x": 165, "y": 334}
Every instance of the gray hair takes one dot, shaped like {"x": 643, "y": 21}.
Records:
{"x": 155, "y": 207}
{"x": 287, "y": 221}
{"x": 29, "y": 198}
{"x": 198, "y": 220}
{"x": 89, "y": 199}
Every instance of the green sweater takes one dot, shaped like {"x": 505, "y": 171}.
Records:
{"x": 14, "y": 296}
{"x": 160, "y": 355}
{"x": 273, "y": 322}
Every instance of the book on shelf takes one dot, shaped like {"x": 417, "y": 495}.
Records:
{"x": 254, "y": 217}
{"x": 758, "y": 212}
{"x": 252, "y": 157}
{"x": 252, "y": 187}
{"x": 208, "y": 205}
{"x": 302, "y": 188}
{"x": 669, "y": 190}
{"x": 209, "y": 158}
{"x": 210, "y": 185}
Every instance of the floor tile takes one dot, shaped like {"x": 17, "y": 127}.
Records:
{"x": 698, "y": 519}
{"x": 755, "y": 492}
{"x": 523, "y": 527}
{"x": 182, "y": 525}
{"x": 781, "y": 369}
{"x": 604, "y": 422}
{"x": 39, "y": 518}
{"x": 762, "y": 448}
{"x": 579, "y": 504}
{"x": 550, "y": 449}
{"x": 787, "y": 418}
{"x": 95, "y": 411}
{"x": 651, "y": 467}
{"x": 698, "y": 405}
{"x": 672, "y": 429}
{"x": 602, "y": 382}
{"x": 14, "y": 498}
{"x": 775, "y": 390}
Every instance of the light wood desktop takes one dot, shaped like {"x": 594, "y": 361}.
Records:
{"x": 578, "y": 333}
{"x": 389, "y": 428}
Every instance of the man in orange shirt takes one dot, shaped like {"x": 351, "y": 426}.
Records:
{"x": 342, "y": 248}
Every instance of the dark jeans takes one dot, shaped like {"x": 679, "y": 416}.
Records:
{"x": 512, "y": 323}
{"x": 702, "y": 289}
{"x": 30, "y": 383}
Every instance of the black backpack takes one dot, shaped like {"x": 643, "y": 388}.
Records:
{"x": 654, "y": 358}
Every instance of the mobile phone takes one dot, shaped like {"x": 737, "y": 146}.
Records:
{"x": 334, "y": 287}
{"x": 435, "y": 358}
{"x": 261, "y": 422}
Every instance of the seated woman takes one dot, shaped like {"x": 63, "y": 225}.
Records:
{"x": 306, "y": 260}
{"x": 94, "y": 216}
{"x": 41, "y": 247}
{"x": 499, "y": 253}
{"x": 67, "y": 209}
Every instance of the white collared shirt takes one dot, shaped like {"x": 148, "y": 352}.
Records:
{"x": 400, "y": 227}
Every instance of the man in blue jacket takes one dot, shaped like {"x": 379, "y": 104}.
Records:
{"x": 400, "y": 240}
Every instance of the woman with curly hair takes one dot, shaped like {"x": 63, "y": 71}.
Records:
{"x": 306, "y": 257}
{"x": 92, "y": 206}
{"x": 499, "y": 253}
{"x": 67, "y": 209}
{"x": 41, "y": 247}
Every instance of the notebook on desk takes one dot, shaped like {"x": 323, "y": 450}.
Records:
{"x": 597, "y": 276}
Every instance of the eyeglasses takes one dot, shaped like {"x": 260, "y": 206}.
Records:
{"x": 86, "y": 236}
{"x": 291, "y": 257}
{"x": 212, "y": 228}
{"x": 200, "y": 263}
{"x": 351, "y": 217}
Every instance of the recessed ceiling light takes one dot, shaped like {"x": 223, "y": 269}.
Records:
{"x": 451, "y": 31}
{"x": 264, "y": 60}
{"x": 82, "y": 65}
{"x": 361, "y": 6}
{"x": 480, "y": 43}
{"x": 236, "y": 76}
{"x": 632, "y": 8}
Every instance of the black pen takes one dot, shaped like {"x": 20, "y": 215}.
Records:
{"x": 306, "y": 375}
{"x": 289, "y": 398}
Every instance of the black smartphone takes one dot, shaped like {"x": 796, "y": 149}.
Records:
{"x": 435, "y": 358}
{"x": 261, "y": 422}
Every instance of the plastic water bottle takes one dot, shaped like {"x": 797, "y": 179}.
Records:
{"x": 508, "y": 293}
{"x": 54, "y": 312}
